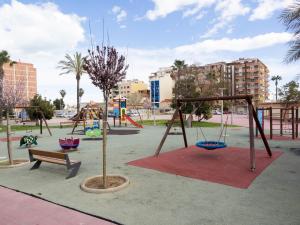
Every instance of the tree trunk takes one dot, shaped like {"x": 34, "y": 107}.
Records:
{"x": 8, "y": 131}
{"x": 276, "y": 92}
{"x": 104, "y": 142}
{"x": 78, "y": 105}
{"x": 1, "y": 92}
{"x": 139, "y": 114}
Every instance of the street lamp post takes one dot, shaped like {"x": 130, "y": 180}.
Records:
{"x": 222, "y": 106}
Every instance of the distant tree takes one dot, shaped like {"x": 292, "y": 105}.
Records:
{"x": 105, "y": 68}
{"x": 62, "y": 94}
{"x": 291, "y": 19}
{"x": 4, "y": 58}
{"x": 187, "y": 88}
{"x": 9, "y": 98}
{"x": 289, "y": 92}
{"x": 59, "y": 104}
{"x": 44, "y": 105}
{"x": 134, "y": 100}
{"x": 81, "y": 92}
{"x": 73, "y": 65}
{"x": 276, "y": 79}
{"x": 178, "y": 72}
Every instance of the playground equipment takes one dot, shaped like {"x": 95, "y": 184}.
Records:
{"x": 41, "y": 118}
{"x": 212, "y": 145}
{"x": 288, "y": 120}
{"x": 120, "y": 113}
{"x": 87, "y": 113}
{"x": 93, "y": 133}
{"x": 69, "y": 143}
{"x": 120, "y": 109}
{"x": 252, "y": 115}
{"x": 28, "y": 141}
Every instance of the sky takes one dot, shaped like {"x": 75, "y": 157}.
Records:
{"x": 150, "y": 33}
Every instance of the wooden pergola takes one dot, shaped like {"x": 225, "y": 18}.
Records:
{"x": 252, "y": 115}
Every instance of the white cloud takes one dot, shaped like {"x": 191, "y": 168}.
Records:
{"x": 236, "y": 45}
{"x": 163, "y": 8}
{"x": 120, "y": 13}
{"x": 41, "y": 34}
{"x": 228, "y": 10}
{"x": 266, "y": 8}
{"x": 142, "y": 61}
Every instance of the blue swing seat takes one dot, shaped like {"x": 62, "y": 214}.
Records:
{"x": 211, "y": 145}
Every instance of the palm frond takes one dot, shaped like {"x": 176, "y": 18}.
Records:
{"x": 293, "y": 53}
{"x": 290, "y": 17}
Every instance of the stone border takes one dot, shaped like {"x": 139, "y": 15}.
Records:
{"x": 108, "y": 190}
{"x": 26, "y": 162}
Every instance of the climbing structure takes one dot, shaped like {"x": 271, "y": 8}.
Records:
{"x": 90, "y": 112}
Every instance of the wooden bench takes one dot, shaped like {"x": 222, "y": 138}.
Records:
{"x": 53, "y": 157}
{"x": 66, "y": 123}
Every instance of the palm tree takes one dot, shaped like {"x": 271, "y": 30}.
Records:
{"x": 81, "y": 92}
{"x": 290, "y": 17}
{"x": 177, "y": 71}
{"x": 73, "y": 65}
{"x": 276, "y": 78}
{"x": 63, "y": 94}
{"x": 4, "y": 58}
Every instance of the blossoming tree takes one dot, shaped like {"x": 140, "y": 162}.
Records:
{"x": 105, "y": 68}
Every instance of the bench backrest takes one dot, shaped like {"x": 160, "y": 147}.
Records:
{"x": 56, "y": 155}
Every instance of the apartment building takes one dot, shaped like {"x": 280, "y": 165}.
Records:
{"x": 127, "y": 87}
{"x": 239, "y": 77}
{"x": 250, "y": 77}
{"x": 161, "y": 86}
{"x": 24, "y": 73}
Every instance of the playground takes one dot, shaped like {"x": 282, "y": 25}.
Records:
{"x": 180, "y": 186}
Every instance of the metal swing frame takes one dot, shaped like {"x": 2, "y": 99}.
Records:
{"x": 252, "y": 115}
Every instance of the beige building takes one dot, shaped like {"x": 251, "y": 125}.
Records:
{"x": 250, "y": 77}
{"x": 127, "y": 87}
{"x": 161, "y": 86}
{"x": 24, "y": 73}
{"x": 242, "y": 76}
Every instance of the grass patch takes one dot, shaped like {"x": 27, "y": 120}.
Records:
{"x": 195, "y": 123}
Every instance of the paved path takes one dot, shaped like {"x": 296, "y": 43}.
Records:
{"x": 21, "y": 209}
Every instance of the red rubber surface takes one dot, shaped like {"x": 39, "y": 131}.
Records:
{"x": 228, "y": 166}
{"x": 12, "y": 139}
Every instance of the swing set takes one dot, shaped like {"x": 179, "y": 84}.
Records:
{"x": 212, "y": 145}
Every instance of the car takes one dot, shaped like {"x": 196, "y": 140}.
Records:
{"x": 217, "y": 112}
{"x": 110, "y": 114}
{"x": 59, "y": 114}
{"x": 69, "y": 114}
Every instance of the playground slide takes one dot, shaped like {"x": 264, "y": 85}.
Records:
{"x": 133, "y": 122}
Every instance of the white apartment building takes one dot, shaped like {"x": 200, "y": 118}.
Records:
{"x": 161, "y": 86}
